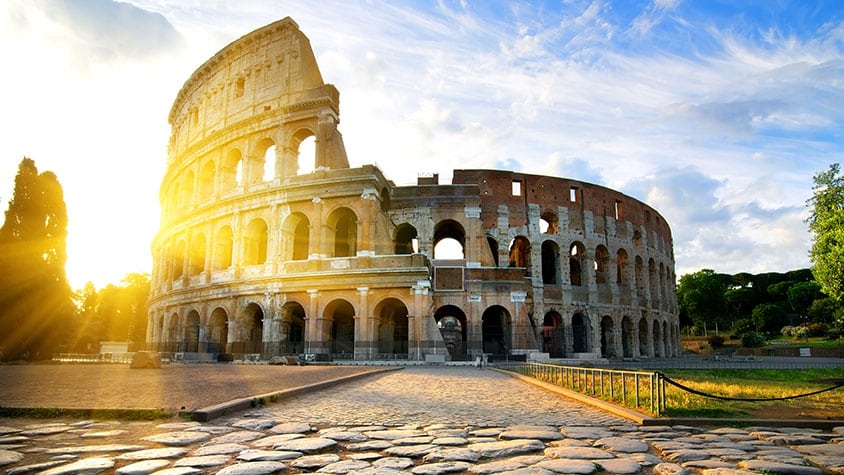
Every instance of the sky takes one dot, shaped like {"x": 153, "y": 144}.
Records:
{"x": 716, "y": 113}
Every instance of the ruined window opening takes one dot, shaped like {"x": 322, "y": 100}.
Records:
{"x": 345, "y": 234}
{"x": 269, "y": 163}
{"x": 549, "y": 223}
{"x": 223, "y": 248}
{"x": 197, "y": 256}
{"x": 617, "y": 209}
{"x": 493, "y": 248}
{"x": 306, "y": 158}
{"x": 301, "y": 236}
{"x": 575, "y": 268}
{"x": 406, "y": 240}
{"x": 448, "y": 248}
{"x": 520, "y": 252}
{"x": 496, "y": 330}
{"x": 239, "y": 87}
{"x": 517, "y": 188}
{"x": 602, "y": 259}
{"x": 449, "y": 239}
{"x": 573, "y": 194}
{"x": 256, "y": 242}
{"x": 550, "y": 263}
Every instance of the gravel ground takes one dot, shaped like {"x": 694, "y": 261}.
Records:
{"x": 172, "y": 388}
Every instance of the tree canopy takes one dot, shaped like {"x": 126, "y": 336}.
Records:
{"x": 826, "y": 222}
{"x": 35, "y": 297}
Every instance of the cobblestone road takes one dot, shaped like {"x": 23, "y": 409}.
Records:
{"x": 431, "y": 395}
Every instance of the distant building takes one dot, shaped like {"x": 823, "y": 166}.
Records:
{"x": 256, "y": 255}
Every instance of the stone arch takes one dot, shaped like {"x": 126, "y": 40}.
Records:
{"x": 292, "y": 329}
{"x": 644, "y": 337}
{"x": 602, "y": 264}
{"x": 250, "y": 335}
{"x": 550, "y": 262}
{"x": 666, "y": 337}
{"x": 295, "y": 235}
{"x": 207, "y": 175}
{"x": 179, "y": 258}
{"x": 191, "y": 332}
{"x": 223, "y": 243}
{"x": 577, "y": 254}
{"x": 496, "y": 331}
{"x": 196, "y": 258}
{"x": 171, "y": 337}
{"x": 451, "y": 322}
{"x": 657, "y": 340}
{"x": 255, "y": 242}
{"x": 406, "y": 239}
{"x": 232, "y": 170}
{"x": 621, "y": 273}
{"x": 343, "y": 230}
{"x": 581, "y": 332}
{"x": 520, "y": 252}
{"x": 608, "y": 349}
{"x": 549, "y": 223}
{"x": 640, "y": 280}
{"x": 653, "y": 283}
{"x": 218, "y": 331}
{"x": 341, "y": 332}
{"x": 627, "y": 337}
{"x": 449, "y": 235}
{"x": 393, "y": 327}
{"x": 553, "y": 335}
{"x": 493, "y": 248}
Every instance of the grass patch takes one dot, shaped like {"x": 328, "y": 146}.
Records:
{"x": 53, "y": 412}
{"x": 755, "y": 384}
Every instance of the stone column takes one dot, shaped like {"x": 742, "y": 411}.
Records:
{"x": 363, "y": 331}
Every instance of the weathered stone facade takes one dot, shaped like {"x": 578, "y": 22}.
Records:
{"x": 256, "y": 257}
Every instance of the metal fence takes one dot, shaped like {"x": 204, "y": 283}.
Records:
{"x": 640, "y": 390}
{"x": 121, "y": 358}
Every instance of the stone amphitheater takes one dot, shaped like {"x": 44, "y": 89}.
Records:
{"x": 268, "y": 250}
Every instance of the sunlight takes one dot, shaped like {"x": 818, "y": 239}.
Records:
{"x": 448, "y": 248}
{"x": 307, "y": 155}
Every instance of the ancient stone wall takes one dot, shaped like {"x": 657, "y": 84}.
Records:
{"x": 260, "y": 254}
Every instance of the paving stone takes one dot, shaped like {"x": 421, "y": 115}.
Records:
{"x": 622, "y": 444}
{"x": 33, "y": 468}
{"x": 148, "y": 454}
{"x": 291, "y": 428}
{"x": 583, "y": 432}
{"x": 13, "y": 439}
{"x": 395, "y": 463}
{"x": 174, "y": 426}
{"x": 143, "y": 467}
{"x": 102, "y": 434}
{"x": 620, "y": 466}
{"x": 219, "y": 449}
{"x": 530, "y": 471}
{"x": 51, "y": 429}
{"x": 310, "y": 462}
{"x": 214, "y": 430}
{"x": 203, "y": 461}
{"x": 308, "y": 445}
{"x": 178, "y": 439}
{"x": 364, "y": 456}
{"x": 450, "y": 441}
{"x": 727, "y": 471}
{"x": 9, "y": 456}
{"x": 669, "y": 469}
{"x": 451, "y": 455}
{"x": 569, "y": 443}
{"x": 531, "y": 432}
{"x": 826, "y": 449}
{"x": 252, "y": 468}
{"x": 488, "y": 432}
{"x": 795, "y": 440}
{"x": 424, "y": 439}
{"x": 440, "y": 467}
{"x": 254, "y": 424}
{"x": 688, "y": 455}
{"x": 829, "y": 463}
{"x": 496, "y": 466}
{"x": 591, "y": 453}
{"x": 256, "y": 455}
{"x": 369, "y": 445}
{"x": 85, "y": 466}
{"x": 569, "y": 466}
{"x": 394, "y": 434}
{"x": 236, "y": 437}
{"x": 90, "y": 449}
{"x": 777, "y": 467}
{"x": 6, "y": 430}
{"x": 709, "y": 463}
{"x": 274, "y": 440}
{"x": 437, "y": 433}
{"x": 343, "y": 436}
{"x": 179, "y": 471}
{"x": 506, "y": 448}
{"x": 413, "y": 451}
{"x": 344, "y": 466}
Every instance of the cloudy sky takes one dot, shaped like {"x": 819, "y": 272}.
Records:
{"x": 716, "y": 113}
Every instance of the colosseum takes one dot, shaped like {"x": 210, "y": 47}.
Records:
{"x": 265, "y": 251}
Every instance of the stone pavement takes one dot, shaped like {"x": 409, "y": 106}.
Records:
{"x": 422, "y": 420}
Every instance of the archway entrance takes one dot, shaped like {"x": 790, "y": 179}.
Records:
{"x": 341, "y": 339}
{"x": 452, "y": 324}
{"x": 580, "y": 333}
{"x": 292, "y": 329}
{"x": 495, "y": 329}
{"x": 553, "y": 335}
{"x": 218, "y": 326}
{"x": 608, "y": 338}
{"x": 393, "y": 328}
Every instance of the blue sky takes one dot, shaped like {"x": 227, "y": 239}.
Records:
{"x": 716, "y": 113}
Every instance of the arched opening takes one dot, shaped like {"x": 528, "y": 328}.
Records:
{"x": 577, "y": 253}
{"x": 520, "y": 252}
{"x": 223, "y": 248}
{"x": 255, "y": 249}
{"x": 657, "y": 336}
{"x": 206, "y": 182}
{"x": 343, "y": 223}
{"x": 550, "y": 262}
{"x": 341, "y": 342}
{"x": 197, "y": 254}
{"x": 306, "y": 155}
{"x": 493, "y": 248}
{"x": 549, "y": 223}
{"x": 602, "y": 262}
{"x": 644, "y": 338}
{"x": 269, "y": 163}
{"x": 495, "y": 330}
{"x": 218, "y": 331}
{"x": 406, "y": 239}
{"x": 666, "y": 337}
{"x": 653, "y": 281}
{"x": 292, "y": 329}
{"x": 621, "y": 277}
{"x": 553, "y": 335}
{"x": 392, "y": 328}
{"x": 296, "y": 237}
{"x": 232, "y": 170}
{"x": 627, "y": 337}
{"x": 452, "y": 324}
{"x": 172, "y": 332}
{"x": 608, "y": 338}
{"x": 251, "y": 325}
{"x": 580, "y": 333}
{"x": 640, "y": 279}
{"x": 449, "y": 240}
{"x": 191, "y": 335}
{"x": 179, "y": 259}
{"x": 186, "y": 200}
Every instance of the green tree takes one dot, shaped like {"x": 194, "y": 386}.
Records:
{"x": 802, "y": 294}
{"x": 826, "y": 222}
{"x": 701, "y": 296}
{"x": 36, "y": 307}
{"x": 769, "y": 318}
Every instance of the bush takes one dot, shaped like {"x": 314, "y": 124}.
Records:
{"x": 817, "y": 329}
{"x": 715, "y": 341}
{"x": 752, "y": 340}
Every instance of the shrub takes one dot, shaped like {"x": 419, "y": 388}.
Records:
{"x": 817, "y": 329}
{"x": 715, "y": 341}
{"x": 752, "y": 340}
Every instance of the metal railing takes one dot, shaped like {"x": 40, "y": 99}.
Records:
{"x": 638, "y": 390}
{"x": 121, "y": 358}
